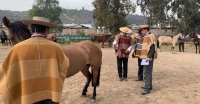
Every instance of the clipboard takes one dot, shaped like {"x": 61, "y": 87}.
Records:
{"x": 144, "y": 62}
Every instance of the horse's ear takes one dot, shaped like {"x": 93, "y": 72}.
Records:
{"x": 6, "y": 22}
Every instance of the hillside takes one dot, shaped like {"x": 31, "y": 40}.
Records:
{"x": 14, "y": 15}
{"x": 69, "y": 16}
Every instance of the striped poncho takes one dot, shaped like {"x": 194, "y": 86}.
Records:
{"x": 123, "y": 42}
{"x": 34, "y": 70}
{"x": 143, "y": 45}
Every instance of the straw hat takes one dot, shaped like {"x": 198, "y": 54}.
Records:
{"x": 40, "y": 21}
{"x": 143, "y": 27}
{"x": 125, "y": 30}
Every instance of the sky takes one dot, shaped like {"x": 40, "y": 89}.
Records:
{"x": 23, "y": 5}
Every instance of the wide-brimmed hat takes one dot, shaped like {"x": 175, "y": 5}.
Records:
{"x": 125, "y": 30}
{"x": 40, "y": 21}
{"x": 143, "y": 27}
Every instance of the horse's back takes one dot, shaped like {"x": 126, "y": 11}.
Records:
{"x": 82, "y": 54}
{"x": 95, "y": 53}
{"x": 100, "y": 38}
{"x": 165, "y": 39}
{"x": 78, "y": 58}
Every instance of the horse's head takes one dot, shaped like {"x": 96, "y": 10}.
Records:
{"x": 17, "y": 30}
{"x": 180, "y": 35}
{"x": 192, "y": 36}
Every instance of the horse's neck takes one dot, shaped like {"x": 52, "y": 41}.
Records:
{"x": 107, "y": 36}
{"x": 196, "y": 38}
{"x": 176, "y": 37}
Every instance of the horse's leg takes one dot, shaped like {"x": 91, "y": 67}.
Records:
{"x": 199, "y": 49}
{"x": 196, "y": 48}
{"x": 6, "y": 43}
{"x": 160, "y": 44}
{"x": 173, "y": 45}
{"x": 160, "y": 47}
{"x": 95, "y": 80}
{"x": 88, "y": 75}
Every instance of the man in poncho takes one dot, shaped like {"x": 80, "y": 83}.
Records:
{"x": 145, "y": 50}
{"x": 34, "y": 70}
{"x": 122, "y": 45}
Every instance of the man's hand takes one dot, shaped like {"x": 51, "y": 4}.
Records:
{"x": 127, "y": 51}
{"x": 148, "y": 59}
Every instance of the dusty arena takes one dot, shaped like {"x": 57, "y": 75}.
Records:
{"x": 176, "y": 80}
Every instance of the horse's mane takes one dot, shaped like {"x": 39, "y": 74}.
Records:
{"x": 19, "y": 31}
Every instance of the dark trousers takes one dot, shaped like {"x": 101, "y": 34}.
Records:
{"x": 181, "y": 46}
{"x": 122, "y": 63}
{"x": 140, "y": 70}
{"x": 148, "y": 74}
{"x": 2, "y": 41}
{"x": 48, "y": 101}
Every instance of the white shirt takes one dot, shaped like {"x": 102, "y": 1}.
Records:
{"x": 116, "y": 44}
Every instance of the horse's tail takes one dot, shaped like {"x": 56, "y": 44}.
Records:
{"x": 158, "y": 44}
{"x": 97, "y": 81}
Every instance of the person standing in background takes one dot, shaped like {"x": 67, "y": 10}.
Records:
{"x": 181, "y": 44}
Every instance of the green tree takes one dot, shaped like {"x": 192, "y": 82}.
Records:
{"x": 47, "y": 8}
{"x": 111, "y": 14}
{"x": 188, "y": 14}
{"x": 156, "y": 11}
{"x": 182, "y": 15}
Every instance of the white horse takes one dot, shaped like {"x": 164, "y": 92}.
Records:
{"x": 169, "y": 40}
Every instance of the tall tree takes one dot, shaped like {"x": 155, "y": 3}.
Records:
{"x": 188, "y": 14}
{"x": 47, "y": 8}
{"x": 111, "y": 14}
{"x": 156, "y": 11}
{"x": 183, "y": 15}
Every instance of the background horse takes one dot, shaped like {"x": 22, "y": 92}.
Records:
{"x": 169, "y": 40}
{"x": 102, "y": 38}
{"x": 82, "y": 55}
{"x": 17, "y": 31}
{"x": 5, "y": 39}
{"x": 52, "y": 37}
{"x": 196, "y": 41}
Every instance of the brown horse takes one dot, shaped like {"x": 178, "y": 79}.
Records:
{"x": 102, "y": 38}
{"x": 52, "y": 37}
{"x": 169, "y": 40}
{"x": 196, "y": 40}
{"x": 5, "y": 39}
{"x": 81, "y": 56}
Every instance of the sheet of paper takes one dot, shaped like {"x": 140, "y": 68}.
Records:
{"x": 144, "y": 62}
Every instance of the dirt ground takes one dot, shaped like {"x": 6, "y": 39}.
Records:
{"x": 176, "y": 80}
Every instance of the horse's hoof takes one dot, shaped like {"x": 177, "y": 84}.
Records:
{"x": 93, "y": 101}
{"x": 84, "y": 95}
